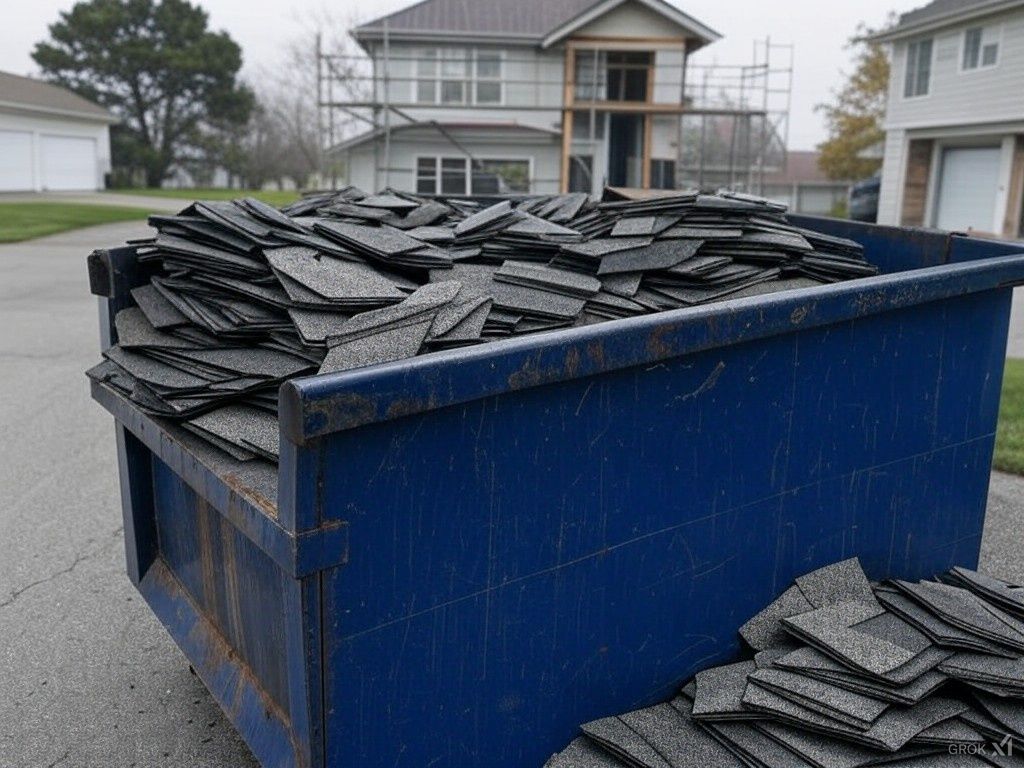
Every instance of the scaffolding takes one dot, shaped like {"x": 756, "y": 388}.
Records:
{"x": 728, "y": 124}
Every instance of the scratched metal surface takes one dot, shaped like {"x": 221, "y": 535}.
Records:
{"x": 571, "y": 525}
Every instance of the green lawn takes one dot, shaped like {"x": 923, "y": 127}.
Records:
{"x": 1010, "y": 435}
{"x": 271, "y": 196}
{"x": 23, "y": 221}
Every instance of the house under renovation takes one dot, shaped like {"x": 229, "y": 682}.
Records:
{"x": 476, "y": 97}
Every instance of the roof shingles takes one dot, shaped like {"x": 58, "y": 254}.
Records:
{"x": 32, "y": 94}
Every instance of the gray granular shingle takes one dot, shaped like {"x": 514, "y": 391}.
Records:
{"x": 830, "y": 629}
{"x": 677, "y": 739}
{"x": 765, "y": 629}
{"x": 838, "y": 583}
{"x": 160, "y": 312}
{"x": 937, "y": 630}
{"x": 854, "y": 708}
{"x": 719, "y": 691}
{"x": 620, "y": 740}
{"x": 396, "y": 343}
{"x": 583, "y": 753}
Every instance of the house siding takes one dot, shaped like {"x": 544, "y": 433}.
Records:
{"x": 956, "y": 97}
{"x": 639, "y": 20}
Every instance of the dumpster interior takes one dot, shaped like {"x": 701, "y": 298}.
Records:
{"x": 241, "y": 296}
{"x": 843, "y": 673}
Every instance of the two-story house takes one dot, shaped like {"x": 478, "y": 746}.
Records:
{"x": 954, "y": 146}
{"x": 486, "y": 96}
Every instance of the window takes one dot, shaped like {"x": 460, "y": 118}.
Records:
{"x": 458, "y": 76}
{"x": 919, "y": 68}
{"x": 488, "y": 77}
{"x": 454, "y": 73}
{"x": 627, "y": 75}
{"x": 663, "y": 174}
{"x": 451, "y": 176}
{"x": 426, "y": 76}
{"x": 426, "y": 176}
{"x": 612, "y": 75}
{"x": 981, "y": 48}
{"x": 501, "y": 177}
{"x": 591, "y": 75}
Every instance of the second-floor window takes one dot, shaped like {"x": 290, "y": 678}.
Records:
{"x": 919, "y": 68}
{"x": 981, "y": 48}
{"x": 458, "y": 76}
{"x": 612, "y": 75}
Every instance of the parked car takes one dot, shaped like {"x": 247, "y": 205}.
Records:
{"x": 863, "y": 201}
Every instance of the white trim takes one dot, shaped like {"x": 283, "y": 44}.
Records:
{"x": 85, "y": 116}
{"x": 961, "y": 70}
{"x": 671, "y": 13}
{"x": 931, "y": 196}
{"x": 1003, "y": 189}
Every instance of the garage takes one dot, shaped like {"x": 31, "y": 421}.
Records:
{"x": 68, "y": 162}
{"x": 50, "y": 138}
{"x": 967, "y": 188}
{"x": 15, "y": 160}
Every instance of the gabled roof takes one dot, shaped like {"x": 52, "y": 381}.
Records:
{"x": 36, "y": 96}
{"x": 941, "y": 13}
{"x": 523, "y": 21}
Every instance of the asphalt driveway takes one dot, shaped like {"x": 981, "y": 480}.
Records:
{"x": 88, "y": 679}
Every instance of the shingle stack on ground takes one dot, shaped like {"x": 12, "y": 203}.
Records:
{"x": 845, "y": 674}
{"x": 243, "y": 296}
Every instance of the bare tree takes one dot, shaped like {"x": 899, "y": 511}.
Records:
{"x": 288, "y": 94}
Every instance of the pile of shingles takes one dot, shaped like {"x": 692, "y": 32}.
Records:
{"x": 243, "y": 296}
{"x": 845, "y": 674}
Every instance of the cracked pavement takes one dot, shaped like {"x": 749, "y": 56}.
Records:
{"x": 88, "y": 678}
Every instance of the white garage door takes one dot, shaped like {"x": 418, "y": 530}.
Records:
{"x": 967, "y": 188}
{"x": 15, "y": 161}
{"x": 69, "y": 162}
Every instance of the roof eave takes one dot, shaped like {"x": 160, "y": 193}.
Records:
{"x": 94, "y": 117}
{"x": 365, "y": 35}
{"x": 937, "y": 22}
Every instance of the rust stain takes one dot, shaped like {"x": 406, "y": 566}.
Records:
{"x": 238, "y": 487}
{"x": 215, "y": 651}
{"x": 595, "y": 351}
{"x": 572, "y": 362}
{"x": 657, "y": 344}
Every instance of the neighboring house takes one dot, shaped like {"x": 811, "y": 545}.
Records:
{"x": 487, "y": 96}
{"x": 50, "y": 138}
{"x": 954, "y": 147}
{"x": 804, "y": 187}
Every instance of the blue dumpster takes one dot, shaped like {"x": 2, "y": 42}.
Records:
{"x": 463, "y": 556}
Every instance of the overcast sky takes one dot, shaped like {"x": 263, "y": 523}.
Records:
{"x": 818, "y": 29}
